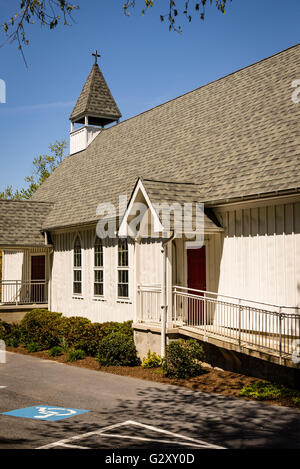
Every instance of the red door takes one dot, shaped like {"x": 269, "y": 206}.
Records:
{"x": 196, "y": 261}
{"x": 38, "y": 276}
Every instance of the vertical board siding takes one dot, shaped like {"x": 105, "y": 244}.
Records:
{"x": 101, "y": 309}
{"x": 17, "y": 264}
{"x": 260, "y": 257}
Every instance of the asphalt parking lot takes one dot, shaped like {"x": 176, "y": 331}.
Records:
{"x": 124, "y": 413}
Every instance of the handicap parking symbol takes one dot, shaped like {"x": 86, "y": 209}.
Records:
{"x": 43, "y": 412}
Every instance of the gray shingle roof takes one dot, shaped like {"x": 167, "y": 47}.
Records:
{"x": 178, "y": 193}
{"x": 96, "y": 99}
{"x": 21, "y": 222}
{"x": 237, "y": 136}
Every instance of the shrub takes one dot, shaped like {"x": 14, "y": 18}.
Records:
{"x": 108, "y": 328}
{"x": 63, "y": 344}
{"x": 152, "y": 360}
{"x": 76, "y": 354}
{"x": 4, "y": 330}
{"x": 9, "y": 332}
{"x": 296, "y": 401}
{"x": 55, "y": 351}
{"x": 33, "y": 347}
{"x": 182, "y": 359}
{"x": 117, "y": 350}
{"x": 52, "y": 329}
{"x": 92, "y": 336}
{"x": 42, "y": 327}
{"x": 73, "y": 329}
{"x": 12, "y": 342}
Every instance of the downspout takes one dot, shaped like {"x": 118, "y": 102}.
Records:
{"x": 49, "y": 256}
{"x": 50, "y": 278}
{"x": 165, "y": 291}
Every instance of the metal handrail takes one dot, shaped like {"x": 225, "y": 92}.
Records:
{"x": 23, "y": 291}
{"x": 234, "y": 298}
{"x": 258, "y": 328}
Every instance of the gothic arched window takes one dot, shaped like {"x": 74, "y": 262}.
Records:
{"x": 77, "y": 267}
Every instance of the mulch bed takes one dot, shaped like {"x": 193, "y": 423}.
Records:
{"x": 212, "y": 380}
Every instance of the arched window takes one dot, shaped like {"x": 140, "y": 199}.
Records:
{"x": 98, "y": 268}
{"x": 123, "y": 270}
{"x": 77, "y": 267}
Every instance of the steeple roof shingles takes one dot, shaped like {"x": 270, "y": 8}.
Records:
{"x": 96, "y": 99}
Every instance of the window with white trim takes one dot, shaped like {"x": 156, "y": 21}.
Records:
{"x": 123, "y": 269}
{"x": 98, "y": 268}
{"x": 77, "y": 267}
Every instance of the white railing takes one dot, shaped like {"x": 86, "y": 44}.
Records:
{"x": 19, "y": 292}
{"x": 149, "y": 303}
{"x": 263, "y": 326}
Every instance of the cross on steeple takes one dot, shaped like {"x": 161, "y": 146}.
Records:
{"x": 96, "y": 55}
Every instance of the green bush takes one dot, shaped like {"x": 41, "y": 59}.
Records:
{"x": 9, "y": 332}
{"x": 296, "y": 401}
{"x": 63, "y": 344}
{"x": 55, "y": 351}
{"x": 117, "y": 350}
{"x": 108, "y": 328}
{"x": 152, "y": 360}
{"x": 33, "y": 347}
{"x": 42, "y": 327}
{"x": 12, "y": 342}
{"x": 264, "y": 390}
{"x": 182, "y": 359}
{"x": 52, "y": 329}
{"x": 76, "y": 354}
{"x": 94, "y": 333}
{"x": 73, "y": 329}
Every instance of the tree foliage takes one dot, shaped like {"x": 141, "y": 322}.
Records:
{"x": 45, "y": 12}
{"x": 43, "y": 166}
{"x": 175, "y": 9}
{"x": 52, "y": 12}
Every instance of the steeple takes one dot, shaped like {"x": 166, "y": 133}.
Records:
{"x": 94, "y": 107}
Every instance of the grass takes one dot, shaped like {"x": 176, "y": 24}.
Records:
{"x": 266, "y": 391}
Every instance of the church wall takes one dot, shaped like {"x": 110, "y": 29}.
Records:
{"x": 97, "y": 309}
{"x": 258, "y": 256}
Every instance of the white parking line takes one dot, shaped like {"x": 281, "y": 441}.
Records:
{"x": 181, "y": 440}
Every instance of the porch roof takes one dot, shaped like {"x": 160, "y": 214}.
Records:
{"x": 21, "y": 222}
{"x": 169, "y": 192}
{"x": 159, "y": 193}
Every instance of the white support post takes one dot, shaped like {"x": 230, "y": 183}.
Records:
{"x": 86, "y": 123}
{"x": 240, "y": 318}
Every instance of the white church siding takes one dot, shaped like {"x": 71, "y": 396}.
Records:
{"x": 12, "y": 265}
{"x": 97, "y": 309}
{"x": 260, "y": 256}
{"x": 257, "y": 258}
{"x": 16, "y": 264}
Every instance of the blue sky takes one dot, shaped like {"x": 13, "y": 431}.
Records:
{"x": 143, "y": 63}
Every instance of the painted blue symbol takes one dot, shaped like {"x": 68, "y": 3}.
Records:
{"x": 43, "y": 412}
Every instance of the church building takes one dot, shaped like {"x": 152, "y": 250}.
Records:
{"x": 84, "y": 246}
